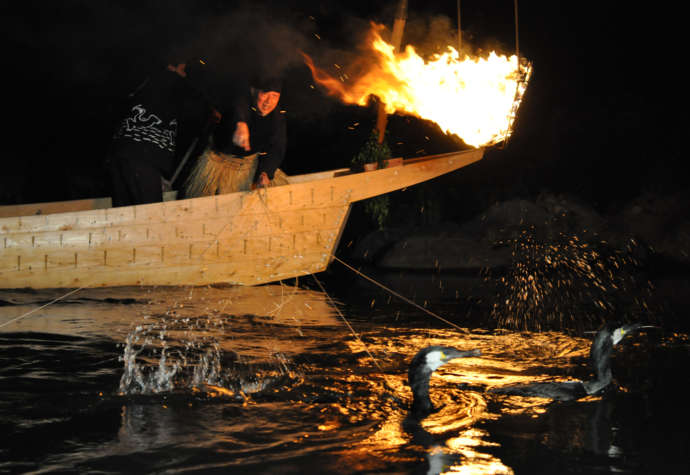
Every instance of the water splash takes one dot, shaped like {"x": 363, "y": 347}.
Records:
{"x": 564, "y": 282}
{"x": 175, "y": 354}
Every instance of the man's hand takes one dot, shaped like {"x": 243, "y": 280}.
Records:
{"x": 263, "y": 179}
{"x": 241, "y": 136}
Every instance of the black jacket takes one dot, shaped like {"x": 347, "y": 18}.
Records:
{"x": 150, "y": 126}
{"x": 267, "y": 135}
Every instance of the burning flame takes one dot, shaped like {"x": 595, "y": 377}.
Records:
{"x": 476, "y": 99}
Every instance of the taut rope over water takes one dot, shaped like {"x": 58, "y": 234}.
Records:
{"x": 401, "y": 297}
{"x": 262, "y": 199}
{"x": 352, "y": 330}
{"x": 41, "y": 307}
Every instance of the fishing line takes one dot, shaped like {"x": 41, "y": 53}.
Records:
{"x": 39, "y": 308}
{"x": 269, "y": 214}
{"x": 352, "y": 330}
{"x": 402, "y": 297}
{"x": 263, "y": 199}
{"x": 370, "y": 279}
{"x": 262, "y": 193}
{"x": 391, "y": 391}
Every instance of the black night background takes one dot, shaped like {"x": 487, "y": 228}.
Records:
{"x": 600, "y": 119}
{"x": 600, "y": 128}
{"x": 576, "y": 225}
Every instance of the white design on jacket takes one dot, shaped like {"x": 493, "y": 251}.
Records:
{"x": 141, "y": 126}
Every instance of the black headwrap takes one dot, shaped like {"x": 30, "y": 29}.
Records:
{"x": 268, "y": 83}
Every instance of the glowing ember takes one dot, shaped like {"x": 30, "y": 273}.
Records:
{"x": 563, "y": 282}
{"x": 475, "y": 99}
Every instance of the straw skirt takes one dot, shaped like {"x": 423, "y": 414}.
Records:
{"x": 218, "y": 173}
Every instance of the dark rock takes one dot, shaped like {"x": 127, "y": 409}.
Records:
{"x": 650, "y": 224}
{"x": 447, "y": 251}
{"x": 373, "y": 245}
{"x": 660, "y": 221}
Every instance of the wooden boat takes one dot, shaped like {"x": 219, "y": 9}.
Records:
{"x": 244, "y": 238}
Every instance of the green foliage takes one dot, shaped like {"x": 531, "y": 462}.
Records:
{"x": 372, "y": 151}
{"x": 377, "y": 208}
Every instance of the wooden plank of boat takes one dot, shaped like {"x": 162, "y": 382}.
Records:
{"x": 244, "y": 238}
{"x": 55, "y": 207}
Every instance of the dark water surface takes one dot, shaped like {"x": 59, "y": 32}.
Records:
{"x": 270, "y": 380}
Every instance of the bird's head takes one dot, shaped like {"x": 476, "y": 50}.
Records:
{"x": 425, "y": 362}
{"x": 431, "y": 358}
{"x": 620, "y": 332}
{"x": 612, "y": 333}
{"x": 609, "y": 336}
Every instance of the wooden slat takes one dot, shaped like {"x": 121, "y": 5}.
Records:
{"x": 261, "y": 223}
{"x": 250, "y": 271}
{"x": 232, "y": 247}
{"x": 55, "y": 207}
{"x": 318, "y": 175}
{"x": 247, "y": 238}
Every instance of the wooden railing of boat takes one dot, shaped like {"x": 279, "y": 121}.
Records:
{"x": 244, "y": 238}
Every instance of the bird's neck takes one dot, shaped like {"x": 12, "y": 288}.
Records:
{"x": 601, "y": 358}
{"x": 421, "y": 403}
{"x": 596, "y": 385}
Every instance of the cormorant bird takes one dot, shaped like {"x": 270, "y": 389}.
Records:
{"x": 600, "y": 355}
{"x": 425, "y": 362}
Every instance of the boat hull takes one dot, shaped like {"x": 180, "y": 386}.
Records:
{"x": 244, "y": 238}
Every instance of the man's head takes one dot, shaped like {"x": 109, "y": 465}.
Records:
{"x": 266, "y": 92}
{"x": 266, "y": 101}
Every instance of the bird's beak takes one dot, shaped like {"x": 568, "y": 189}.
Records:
{"x": 626, "y": 330}
{"x": 452, "y": 353}
{"x": 636, "y": 326}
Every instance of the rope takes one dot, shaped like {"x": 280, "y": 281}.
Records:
{"x": 263, "y": 199}
{"x": 401, "y": 297}
{"x": 387, "y": 289}
{"x": 504, "y": 143}
{"x": 269, "y": 213}
{"x": 517, "y": 43}
{"x": 41, "y": 307}
{"x": 392, "y": 292}
{"x": 370, "y": 279}
{"x": 352, "y": 330}
{"x": 459, "y": 30}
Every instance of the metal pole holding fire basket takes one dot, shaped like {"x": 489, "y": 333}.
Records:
{"x": 459, "y": 29}
{"x": 396, "y": 41}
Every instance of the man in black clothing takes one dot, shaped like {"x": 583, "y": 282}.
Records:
{"x": 257, "y": 126}
{"x": 143, "y": 147}
{"x": 248, "y": 145}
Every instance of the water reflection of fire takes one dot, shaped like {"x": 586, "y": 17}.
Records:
{"x": 474, "y": 98}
